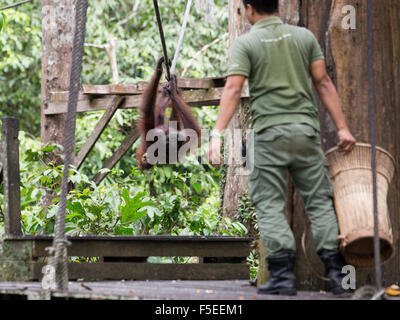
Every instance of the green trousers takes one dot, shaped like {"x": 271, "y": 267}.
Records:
{"x": 293, "y": 148}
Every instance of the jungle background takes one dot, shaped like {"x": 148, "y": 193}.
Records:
{"x": 183, "y": 199}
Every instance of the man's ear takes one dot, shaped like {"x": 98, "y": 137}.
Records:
{"x": 250, "y": 9}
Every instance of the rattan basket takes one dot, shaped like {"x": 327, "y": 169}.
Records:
{"x": 352, "y": 182}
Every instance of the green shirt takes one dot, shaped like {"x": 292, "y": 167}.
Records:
{"x": 276, "y": 59}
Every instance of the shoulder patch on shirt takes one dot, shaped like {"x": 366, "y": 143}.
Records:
{"x": 277, "y": 39}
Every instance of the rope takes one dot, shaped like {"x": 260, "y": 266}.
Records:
{"x": 164, "y": 46}
{"x": 371, "y": 110}
{"x": 60, "y": 259}
{"x": 182, "y": 34}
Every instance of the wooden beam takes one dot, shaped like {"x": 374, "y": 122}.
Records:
{"x": 10, "y": 160}
{"x": 145, "y": 246}
{"x": 86, "y": 103}
{"x": 138, "y": 88}
{"x": 121, "y": 151}
{"x": 57, "y": 40}
{"x": 152, "y": 271}
{"x": 118, "y": 255}
{"x": 101, "y": 125}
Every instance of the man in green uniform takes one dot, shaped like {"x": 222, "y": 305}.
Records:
{"x": 281, "y": 61}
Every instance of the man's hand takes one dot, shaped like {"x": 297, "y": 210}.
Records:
{"x": 214, "y": 152}
{"x": 329, "y": 97}
{"x": 229, "y": 101}
{"x": 346, "y": 141}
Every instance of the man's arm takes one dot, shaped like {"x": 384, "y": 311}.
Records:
{"x": 229, "y": 101}
{"x": 329, "y": 97}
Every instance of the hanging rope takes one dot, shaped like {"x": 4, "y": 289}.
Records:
{"x": 60, "y": 259}
{"x": 164, "y": 46}
{"x": 182, "y": 34}
{"x": 371, "y": 110}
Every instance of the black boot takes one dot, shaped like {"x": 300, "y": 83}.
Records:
{"x": 282, "y": 279}
{"x": 334, "y": 264}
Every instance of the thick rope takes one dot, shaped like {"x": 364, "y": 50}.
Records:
{"x": 371, "y": 110}
{"x": 181, "y": 36}
{"x": 60, "y": 260}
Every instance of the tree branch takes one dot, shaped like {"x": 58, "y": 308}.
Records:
{"x": 198, "y": 54}
{"x": 134, "y": 12}
{"x": 14, "y": 5}
{"x": 110, "y": 49}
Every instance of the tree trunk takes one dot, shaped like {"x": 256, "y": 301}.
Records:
{"x": 346, "y": 57}
{"x": 57, "y": 41}
{"x": 235, "y": 183}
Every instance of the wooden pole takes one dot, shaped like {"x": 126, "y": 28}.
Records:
{"x": 98, "y": 130}
{"x": 235, "y": 184}
{"x": 57, "y": 38}
{"x": 11, "y": 178}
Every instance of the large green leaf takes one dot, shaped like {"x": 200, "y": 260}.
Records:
{"x": 130, "y": 212}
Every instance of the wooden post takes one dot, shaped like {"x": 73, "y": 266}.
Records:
{"x": 235, "y": 184}
{"x": 57, "y": 40}
{"x": 263, "y": 273}
{"x": 100, "y": 127}
{"x": 10, "y": 161}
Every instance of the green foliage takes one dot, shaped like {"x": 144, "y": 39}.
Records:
{"x": 139, "y": 44}
{"x": 246, "y": 212}
{"x": 254, "y": 261}
{"x": 20, "y": 63}
{"x": 180, "y": 200}
{"x": 183, "y": 199}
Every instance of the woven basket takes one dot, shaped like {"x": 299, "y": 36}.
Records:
{"x": 352, "y": 182}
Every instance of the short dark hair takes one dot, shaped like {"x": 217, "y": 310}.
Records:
{"x": 263, "y": 6}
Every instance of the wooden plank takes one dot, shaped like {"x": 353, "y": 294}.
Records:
{"x": 121, "y": 151}
{"x": 101, "y": 125}
{"x": 87, "y": 103}
{"x": 150, "y": 271}
{"x": 157, "y": 290}
{"x": 263, "y": 272}
{"x": 10, "y": 160}
{"x": 194, "y": 98}
{"x": 171, "y": 290}
{"x": 146, "y": 248}
{"x": 138, "y": 88}
{"x": 204, "y": 239}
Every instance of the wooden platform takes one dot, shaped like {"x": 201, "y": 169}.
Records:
{"x": 158, "y": 290}
{"x": 126, "y": 257}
